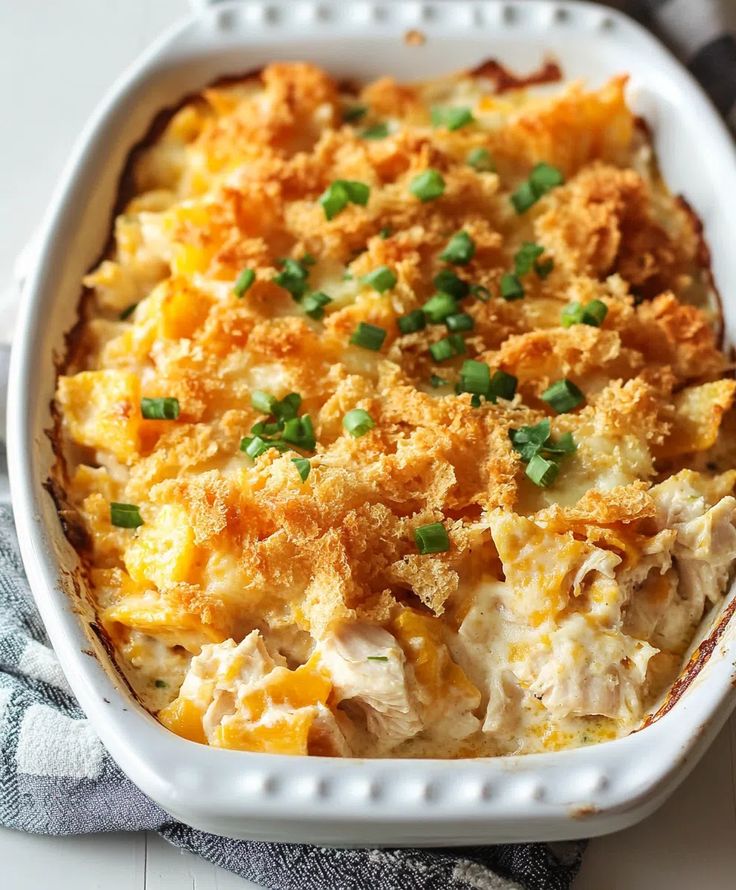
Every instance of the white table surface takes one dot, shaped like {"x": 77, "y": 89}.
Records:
{"x": 56, "y": 59}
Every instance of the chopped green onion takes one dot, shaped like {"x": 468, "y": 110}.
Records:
{"x": 511, "y": 287}
{"x": 160, "y": 409}
{"x": 451, "y": 118}
{"x": 288, "y": 407}
{"x": 503, "y": 386}
{"x": 377, "y": 131}
{"x": 380, "y": 279}
{"x": 541, "y": 471}
{"x": 447, "y": 348}
{"x": 385, "y": 232}
{"x": 564, "y": 445}
{"x": 358, "y": 422}
{"x": 542, "y": 179}
{"x": 243, "y": 282}
{"x": 266, "y": 428}
{"x": 460, "y": 322}
{"x": 480, "y": 159}
{"x": 377, "y": 658}
{"x": 525, "y": 257}
{"x": 302, "y": 467}
{"x": 592, "y": 314}
{"x": 354, "y": 113}
{"x": 308, "y": 260}
{"x": 125, "y": 515}
{"x": 436, "y": 382}
{"x": 543, "y": 269}
{"x": 340, "y": 193}
{"x": 314, "y": 304}
{"x": 475, "y": 377}
{"x": 412, "y": 322}
{"x": 439, "y": 307}
{"x": 299, "y": 431}
{"x": 482, "y": 293}
{"x": 293, "y": 276}
{"x": 460, "y": 249}
{"x": 127, "y": 312}
{"x": 254, "y": 446}
{"x": 563, "y": 396}
{"x": 449, "y": 283}
{"x": 161, "y": 684}
{"x": 427, "y": 186}
{"x": 523, "y": 198}
{"x": 432, "y": 538}
{"x": 263, "y": 401}
{"x": 369, "y": 336}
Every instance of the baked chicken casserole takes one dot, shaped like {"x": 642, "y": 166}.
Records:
{"x": 396, "y": 421}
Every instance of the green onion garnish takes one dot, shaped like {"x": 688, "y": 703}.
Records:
{"x": 293, "y": 276}
{"x": 432, "y": 538}
{"x": 380, "y": 279}
{"x": 448, "y": 347}
{"x": 263, "y": 401}
{"x": 300, "y": 432}
{"x": 340, "y": 193}
{"x": 511, "y": 287}
{"x": 267, "y": 428}
{"x": 451, "y": 118}
{"x": 160, "y": 409}
{"x": 592, "y": 314}
{"x": 377, "y": 658}
{"x": 354, "y": 113}
{"x": 243, "y": 282}
{"x": 542, "y": 179}
{"x": 460, "y": 249}
{"x": 525, "y": 257}
{"x": 480, "y": 159}
{"x": 127, "y": 312}
{"x": 385, "y": 232}
{"x": 358, "y": 422}
{"x": 125, "y": 515}
{"x": 161, "y": 684}
{"x": 288, "y": 407}
{"x": 254, "y": 446}
{"x": 563, "y": 396}
{"x": 412, "y": 322}
{"x": 449, "y": 283}
{"x": 377, "y": 131}
{"x": 459, "y": 322}
{"x": 482, "y": 293}
{"x": 439, "y": 307}
{"x": 314, "y": 304}
{"x": 302, "y": 467}
{"x": 503, "y": 386}
{"x": 538, "y": 451}
{"x": 369, "y": 336}
{"x": 436, "y": 382}
{"x": 475, "y": 377}
{"x": 427, "y": 186}
{"x": 541, "y": 471}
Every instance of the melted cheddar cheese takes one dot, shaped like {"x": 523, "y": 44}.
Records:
{"x": 505, "y": 292}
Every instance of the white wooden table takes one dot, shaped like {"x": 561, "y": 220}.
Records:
{"x": 56, "y": 59}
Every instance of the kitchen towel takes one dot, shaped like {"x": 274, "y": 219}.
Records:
{"x": 56, "y": 777}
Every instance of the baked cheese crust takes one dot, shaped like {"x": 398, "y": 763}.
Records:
{"x": 397, "y": 421}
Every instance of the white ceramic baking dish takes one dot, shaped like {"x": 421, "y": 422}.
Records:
{"x": 330, "y": 801}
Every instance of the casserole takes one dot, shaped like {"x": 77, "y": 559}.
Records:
{"x": 459, "y": 802}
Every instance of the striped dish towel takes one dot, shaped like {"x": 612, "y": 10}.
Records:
{"x": 55, "y": 775}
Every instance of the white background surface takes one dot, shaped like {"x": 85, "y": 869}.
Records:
{"x": 56, "y": 60}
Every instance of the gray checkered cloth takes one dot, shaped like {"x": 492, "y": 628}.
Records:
{"x": 56, "y": 777}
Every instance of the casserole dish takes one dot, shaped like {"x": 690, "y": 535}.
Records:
{"x": 326, "y": 801}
